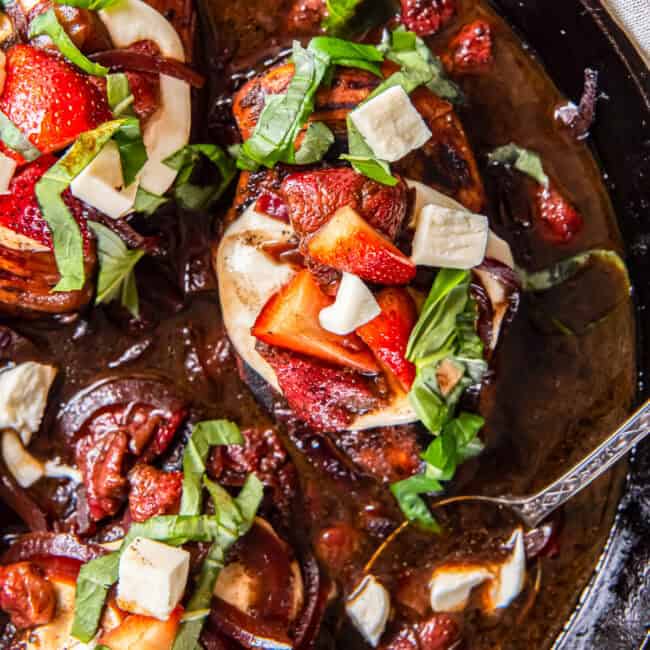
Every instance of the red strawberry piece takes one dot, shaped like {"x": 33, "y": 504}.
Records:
{"x": 312, "y": 197}
{"x": 349, "y": 243}
{"x": 290, "y": 320}
{"x": 153, "y": 492}
{"x": 48, "y": 99}
{"x": 324, "y": 396}
{"x": 19, "y": 209}
{"x": 273, "y": 205}
{"x": 388, "y": 334}
{"x": 471, "y": 49}
{"x": 560, "y": 219}
{"x": 426, "y": 17}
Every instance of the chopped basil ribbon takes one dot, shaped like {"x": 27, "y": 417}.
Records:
{"x": 418, "y": 64}
{"x": 116, "y": 279}
{"x": 443, "y": 342}
{"x": 185, "y": 162}
{"x": 66, "y": 236}
{"x": 232, "y": 519}
{"x": 148, "y": 202}
{"x": 339, "y": 14}
{"x": 118, "y": 92}
{"x": 205, "y": 435}
{"x": 91, "y": 5}
{"x": 317, "y": 142}
{"x": 566, "y": 269}
{"x": 16, "y": 140}
{"x": 47, "y": 24}
{"x": 524, "y": 160}
{"x": 285, "y": 115}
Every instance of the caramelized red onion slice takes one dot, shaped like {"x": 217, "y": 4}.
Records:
{"x": 318, "y": 589}
{"x": 142, "y": 62}
{"x": 43, "y": 544}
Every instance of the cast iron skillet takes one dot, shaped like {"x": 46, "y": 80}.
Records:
{"x": 568, "y": 36}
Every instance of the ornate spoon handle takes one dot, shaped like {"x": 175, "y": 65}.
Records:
{"x": 537, "y": 507}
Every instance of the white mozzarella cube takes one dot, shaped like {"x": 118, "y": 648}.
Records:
{"x": 354, "y": 306}
{"x": 425, "y": 195}
{"x": 152, "y": 578}
{"x": 498, "y": 249}
{"x": 512, "y": 573}
{"x": 7, "y": 171}
{"x": 451, "y": 586}
{"x": 23, "y": 397}
{"x": 452, "y": 239}
{"x": 368, "y": 608}
{"x": 23, "y": 466}
{"x": 391, "y": 125}
{"x": 100, "y": 184}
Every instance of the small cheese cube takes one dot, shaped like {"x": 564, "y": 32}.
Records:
{"x": 23, "y": 397}
{"x": 368, "y": 608}
{"x": 425, "y": 195}
{"x": 354, "y": 306}
{"x": 512, "y": 574}
{"x": 498, "y": 249}
{"x": 451, "y": 586}
{"x": 391, "y": 125}
{"x": 23, "y": 466}
{"x": 452, "y": 239}
{"x": 99, "y": 184}
{"x": 7, "y": 171}
{"x": 152, "y": 578}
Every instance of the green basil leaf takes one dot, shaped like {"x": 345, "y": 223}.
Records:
{"x": 147, "y": 202}
{"x": 16, "y": 140}
{"x": 66, "y": 236}
{"x": 133, "y": 154}
{"x": 566, "y": 269}
{"x": 339, "y": 14}
{"x": 318, "y": 139}
{"x": 116, "y": 280}
{"x": 248, "y": 500}
{"x": 407, "y": 493}
{"x": 524, "y": 160}
{"x": 427, "y": 401}
{"x": 47, "y": 24}
{"x": 338, "y": 48}
{"x": 284, "y": 115}
{"x": 465, "y": 429}
{"x": 118, "y": 92}
{"x": 185, "y": 160}
{"x": 91, "y": 5}
{"x": 95, "y": 579}
{"x": 204, "y": 436}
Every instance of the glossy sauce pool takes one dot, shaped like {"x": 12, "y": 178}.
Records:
{"x": 564, "y": 374}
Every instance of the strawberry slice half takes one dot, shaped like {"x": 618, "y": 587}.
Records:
{"x": 19, "y": 209}
{"x": 49, "y": 100}
{"x": 561, "y": 221}
{"x": 388, "y": 334}
{"x": 349, "y": 243}
{"x": 290, "y": 320}
{"x": 144, "y": 633}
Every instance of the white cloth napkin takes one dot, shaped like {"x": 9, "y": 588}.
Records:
{"x": 634, "y": 17}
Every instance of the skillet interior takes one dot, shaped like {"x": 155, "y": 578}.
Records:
{"x": 569, "y": 36}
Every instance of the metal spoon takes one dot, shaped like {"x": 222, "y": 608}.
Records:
{"x": 532, "y": 510}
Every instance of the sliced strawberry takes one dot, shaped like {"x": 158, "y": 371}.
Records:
{"x": 144, "y": 633}
{"x": 471, "y": 49}
{"x": 560, "y": 219}
{"x": 388, "y": 334}
{"x": 426, "y": 17}
{"x": 348, "y": 243}
{"x": 49, "y": 100}
{"x": 19, "y": 209}
{"x": 324, "y": 396}
{"x": 290, "y": 320}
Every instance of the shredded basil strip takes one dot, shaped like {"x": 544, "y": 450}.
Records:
{"x": 91, "y": 5}
{"x": 148, "y": 202}
{"x": 185, "y": 162}
{"x": 443, "y": 341}
{"x": 66, "y": 236}
{"x": 204, "y": 435}
{"x": 133, "y": 154}
{"x": 16, "y": 140}
{"x": 47, "y": 24}
{"x": 119, "y": 95}
{"x": 116, "y": 279}
{"x": 317, "y": 142}
{"x": 339, "y": 14}
{"x": 565, "y": 269}
{"x": 524, "y": 160}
